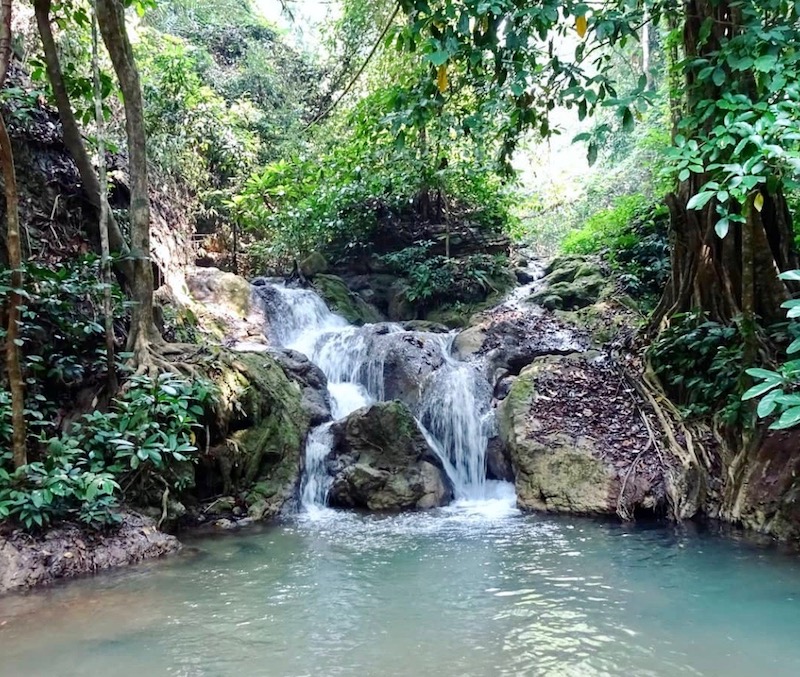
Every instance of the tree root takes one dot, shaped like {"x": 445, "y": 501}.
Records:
{"x": 172, "y": 358}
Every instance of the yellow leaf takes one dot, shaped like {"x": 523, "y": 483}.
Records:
{"x": 758, "y": 202}
{"x": 192, "y": 437}
{"x": 441, "y": 78}
{"x": 580, "y": 25}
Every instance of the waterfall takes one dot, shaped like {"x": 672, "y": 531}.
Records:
{"x": 455, "y": 410}
{"x": 454, "y": 407}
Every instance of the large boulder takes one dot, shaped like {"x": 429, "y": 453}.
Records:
{"x": 577, "y": 441}
{"x": 222, "y": 305}
{"x": 315, "y": 396}
{"x": 571, "y": 283}
{"x": 381, "y": 461}
{"x": 262, "y": 418}
{"x": 346, "y": 303}
{"x": 506, "y": 340}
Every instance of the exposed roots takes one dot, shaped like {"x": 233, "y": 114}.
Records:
{"x": 180, "y": 359}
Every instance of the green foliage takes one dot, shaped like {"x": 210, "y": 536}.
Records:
{"x": 363, "y": 175}
{"x": 743, "y": 139}
{"x": 778, "y": 390}
{"x": 435, "y": 281}
{"x": 61, "y": 335}
{"x": 138, "y": 443}
{"x": 701, "y": 364}
{"x": 632, "y": 236}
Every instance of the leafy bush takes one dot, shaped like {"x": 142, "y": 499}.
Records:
{"x": 701, "y": 364}
{"x": 437, "y": 280}
{"x": 138, "y": 444}
{"x": 632, "y": 236}
{"x": 779, "y": 388}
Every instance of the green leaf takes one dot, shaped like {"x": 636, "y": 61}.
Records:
{"x": 764, "y": 374}
{"x": 768, "y": 404}
{"x": 789, "y": 419}
{"x": 765, "y": 63}
{"x": 722, "y": 226}
{"x": 438, "y": 58}
{"x": 759, "y": 389}
{"x": 701, "y": 199}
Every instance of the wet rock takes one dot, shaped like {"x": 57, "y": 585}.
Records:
{"x": 498, "y": 461}
{"x": 381, "y": 461}
{"x": 374, "y": 288}
{"x": 226, "y": 290}
{"x": 573, "y": 437}
{"x": 426, "y": 326}
{"x": 524, "y": 275}
{"x": 262, "y": 420}
{"x": 70, "y": 550}
{"x": 313, "y": 264}
{"x": 341, "y": 300}
{"x": 507, "y": 341}
{"x": 315, "y": 396}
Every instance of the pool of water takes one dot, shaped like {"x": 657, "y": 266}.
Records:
{"x": 475, "y": 589}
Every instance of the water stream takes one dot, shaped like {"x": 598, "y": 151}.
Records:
{"x": 454, "y": 403}
{"x": 471, "y": 590}
{"x": 458, "y": 592}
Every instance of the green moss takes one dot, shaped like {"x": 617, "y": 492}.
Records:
{"x": 344, "y": 302}
{"x": 266, "y": 405}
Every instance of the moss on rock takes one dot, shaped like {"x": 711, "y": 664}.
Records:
{"x": 341, "y": 300}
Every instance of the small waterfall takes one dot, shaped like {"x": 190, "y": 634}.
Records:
{"x": 316, "y": 481}
{"x": 452, "y": 411}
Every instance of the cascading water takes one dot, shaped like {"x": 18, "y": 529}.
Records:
{"x": 453, "y": 410}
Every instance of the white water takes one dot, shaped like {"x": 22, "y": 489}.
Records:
{"x": 453, "y": 413}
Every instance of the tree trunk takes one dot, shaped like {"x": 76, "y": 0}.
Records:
{"x": 143, "y": 332}
{"x": 105, "y": 263}
{"x": 710, "y": 273}
{"x": 74, "y": 142}
{"x": 13, "y": 366}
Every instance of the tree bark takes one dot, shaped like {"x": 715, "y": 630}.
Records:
{"x": 105, "y": 262}
{"x": 13, "y": 366}
{"x": 74, "y": 142}
{"x": 708, "y": 273}
{"x": 143, "y": 332}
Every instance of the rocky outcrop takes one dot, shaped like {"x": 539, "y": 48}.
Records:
{"x": 223, "y": 305}
{"x": 69, "y": 551}
{"x": 263, "y": 416}
{"x": 381, "y": 461}
{"x": 351, "y": 306}
{"x": 570, "y": 283}
{"x": 315, "y": 399}
{"x": 577, "y": 441}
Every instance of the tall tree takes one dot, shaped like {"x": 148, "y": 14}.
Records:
{"x": 13, "y": 342}
{"x": 143, "y": 332}
{"x": 73, "y": 139}
{"x": 736, "y": 149}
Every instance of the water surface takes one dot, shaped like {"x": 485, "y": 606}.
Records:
{"x": 473, "y": 590}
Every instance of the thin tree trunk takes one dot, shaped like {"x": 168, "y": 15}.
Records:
{"x": 13, "y": 366}
{"x": 74, "y": 140}
{"x": 143, "y": 332}
{"x": 105, "y": 262}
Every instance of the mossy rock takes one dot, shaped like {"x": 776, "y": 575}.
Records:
{"x": 582, "y": 292}
{"x": 313, "y": 264}
{"x": 262, "y": 420}
{"x": 341, "y": 300}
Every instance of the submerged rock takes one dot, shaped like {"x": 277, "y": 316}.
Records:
{"x": 69, "y": 551}
{"x": 573, "y": 437}
{"x": 381, "y": 461}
